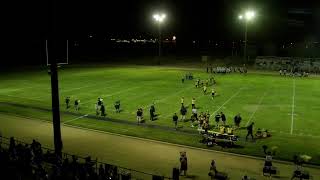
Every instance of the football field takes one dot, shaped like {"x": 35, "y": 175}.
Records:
{"x": 288, "y": 107}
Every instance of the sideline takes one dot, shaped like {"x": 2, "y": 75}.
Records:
{"x": 167, "y": 143}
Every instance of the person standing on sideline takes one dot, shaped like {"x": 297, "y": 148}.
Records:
{"x": 237, "y": 120}
{"x": 183, "y": 112}
{"x": 223, "y": 118}
{"x": 175, "y": 120}
{"x": 183, "y": 163}
{"x": 98, "y": 106}
{"x": 117, "y": 106}
{"x": 76, "y": 104}
{"x": 152, "y": 112}
{"x": 103, "y": 110}
{"x": 97, "y": 109}
{"x": 193, "y": 103}
{"x": 250, "y": 130}
{"x": 68, "y": 102}
{"x": 139, "y": 115}
{"x": 217, "y": 119}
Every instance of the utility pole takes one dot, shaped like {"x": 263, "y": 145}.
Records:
{"x": 52, "y": 36}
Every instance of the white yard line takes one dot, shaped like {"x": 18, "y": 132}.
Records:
{"x": 173, "y": 94}
{"x": 75, "y": 119}
{"x": 91, "y": 85}
{"x": 22, "y": 98}
{"x": 235, "y": 94}
{"x": 292, "y": 109}
{"x": 254, "y": 112}
{"x": 119, "y": 92}
{"x": 73, "y": 89}
{"x": 20, "y": 89}
{"x": 167, "y": 97}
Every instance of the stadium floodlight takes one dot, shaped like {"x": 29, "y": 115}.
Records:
{"x": 249, "y": 15}
{"x": 246, "y": 17}
{"x": 159, "y": 18}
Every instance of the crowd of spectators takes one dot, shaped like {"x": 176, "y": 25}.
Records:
{"x": 28, "y": 161}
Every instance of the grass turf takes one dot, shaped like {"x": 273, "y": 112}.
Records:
{"x": 280, "y": 104}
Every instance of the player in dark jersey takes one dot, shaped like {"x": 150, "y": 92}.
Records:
{"x": 250, "y": 131}
{"x": 117, "y": 106}
{"x": 103, "y": 110}
{"x": 223, "y": 118}
{"x": 175, "y": 120}
{"x": 76, "y": 104}
{"x": 237, "y": 120}
{"x": 152, "y": 112}
{"x": 217, "y": 119}
{"x": 68, "y": 102}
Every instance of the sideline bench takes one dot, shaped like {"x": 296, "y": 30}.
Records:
{"x": 213, "y": 137}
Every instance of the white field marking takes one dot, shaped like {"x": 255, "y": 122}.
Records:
{"x": 254, "y": 112}
{"x": 292, "y": 109}
{"x": 73, "y": 89}
{"x": 293, "y": 114}
{"x": 75, "y": 118}
{"x": 21, "y": 89}
{"x": 163, "y": 99}
{"x": 235, "y": 94}
{"x": 300, "y": 134}
{"x": 119, "y": 92}
{"x": 92, "y": 85}
{"x": 173, "y": 94}
{"x": 22, "y": 97}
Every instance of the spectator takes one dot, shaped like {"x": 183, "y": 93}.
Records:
{"x": 101, "y": 172}
{"x": 12, "y": 145}
{"x": 183, "y": 163}
{"x": 268, "y": 160}
{"x": 213, "y": 169}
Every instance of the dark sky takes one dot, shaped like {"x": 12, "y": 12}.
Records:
{"x": 277, "y": 20}
{"x": 214, "y": 19}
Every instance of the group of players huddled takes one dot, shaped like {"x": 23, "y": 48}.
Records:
{"x": 205, "y": 84}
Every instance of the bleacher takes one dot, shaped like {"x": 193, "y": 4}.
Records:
{"x": 276, "y": 63}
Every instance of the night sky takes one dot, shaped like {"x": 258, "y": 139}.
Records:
{"x": 277, "y": 20}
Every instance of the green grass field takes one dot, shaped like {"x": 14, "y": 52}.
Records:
{"x": 288, "y": 107}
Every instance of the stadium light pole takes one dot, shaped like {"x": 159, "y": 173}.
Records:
{"x": 159, "y": 19}
{"x": 246, "y": 17}
{"x": 52, "y": 35}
